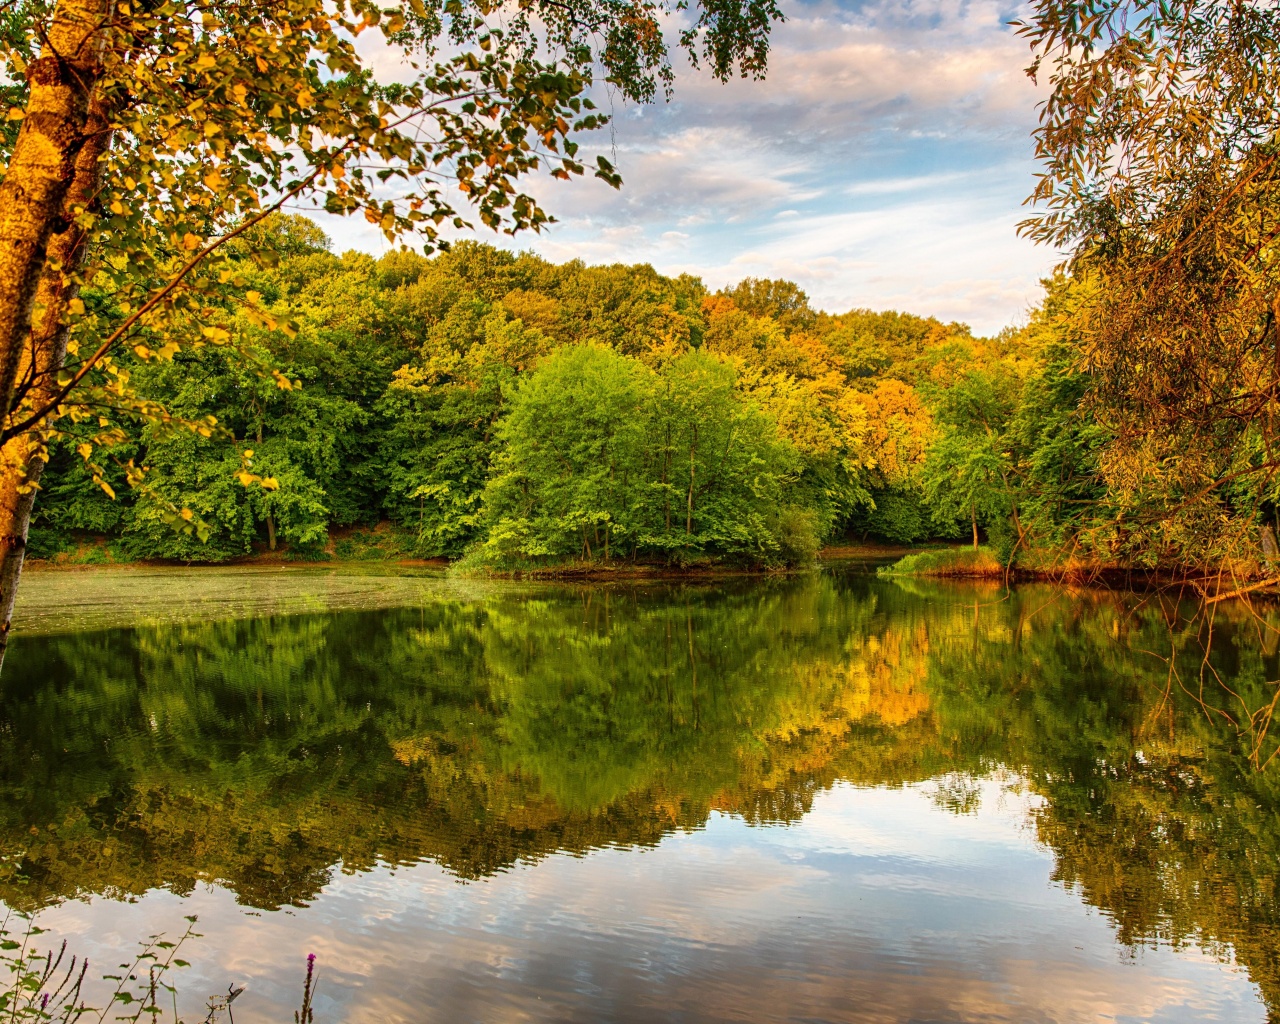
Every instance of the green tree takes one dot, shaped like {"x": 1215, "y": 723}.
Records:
{"x": 969, "y": 471}
{"x": 571, "y": 466}
{"x": 720, "y": 464}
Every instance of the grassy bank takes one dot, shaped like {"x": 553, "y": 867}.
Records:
{"x": 1212, "y": 583}
{"x": 382, "y": 543}
{"x": 956, "y": 563}
{"x": 389, "y": 543}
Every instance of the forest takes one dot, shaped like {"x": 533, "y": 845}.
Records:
{"x": 500, "y": 408}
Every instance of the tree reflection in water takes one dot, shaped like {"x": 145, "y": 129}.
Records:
{"x": 265, "y": 753}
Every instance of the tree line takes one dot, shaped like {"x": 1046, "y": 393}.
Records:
{"x": 522, "y": 414}
{"x": 498, "y": 404}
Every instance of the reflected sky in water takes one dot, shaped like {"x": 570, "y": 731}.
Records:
{"x": 850, "y": 802}
{"x": 878, "y": 906}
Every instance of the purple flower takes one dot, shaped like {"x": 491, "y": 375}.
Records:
{"x": 311, "y": 958}
{"x": 44, "y": 1000}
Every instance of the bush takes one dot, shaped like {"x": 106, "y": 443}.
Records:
{"x": 947, "y": 562}
{"x": 796, "y": 533}
{"x": 1003, "y": 539}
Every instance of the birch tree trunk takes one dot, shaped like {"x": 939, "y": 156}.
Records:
{"x": 22, "y": 460}
{"x": 42, "y": 168}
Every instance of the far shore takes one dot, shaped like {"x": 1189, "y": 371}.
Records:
{"x": 97, "y": 556}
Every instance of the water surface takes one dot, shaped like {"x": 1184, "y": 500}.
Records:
{"x": 820, "y": 798}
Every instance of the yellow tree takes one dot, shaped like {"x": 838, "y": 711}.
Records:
{"x": 1161, "y": 179}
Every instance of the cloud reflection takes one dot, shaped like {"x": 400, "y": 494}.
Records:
{"x": 879, "y": 906}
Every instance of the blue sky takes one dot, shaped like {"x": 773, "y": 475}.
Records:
{"x": 882, "y": 164}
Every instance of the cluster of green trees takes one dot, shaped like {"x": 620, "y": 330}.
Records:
{"x": 492, "y": 731}
{"x": 528, "y": 413}
{"x": 1131, "y": 422}
{"x": 521, "y": 413}
{"x": 524, "y": 411}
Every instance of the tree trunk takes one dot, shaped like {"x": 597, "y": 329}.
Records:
{"x": 1270, "y": 550}
{"x": 271, "y": 531}
{"x": 973, "y": 514}
{"x": 688, "y": 516}
{"x": 45, "y": 164}
{"x": 22, "y": 460}
{"x": 666, "y": 471}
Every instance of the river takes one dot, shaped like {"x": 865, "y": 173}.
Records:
{"x": 830, "y": 797}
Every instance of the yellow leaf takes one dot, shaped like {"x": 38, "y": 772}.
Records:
{"x": 253, "y": 297}
{"x": 216, "y": 334}
{"x": 187, "y": 514}
{"x": 85, "y": 450}
{"x": 116, "y": 208}
{"x": 245, "y": 478}
{"x": 142, "y": 351}
{"x": 248, "y": 453}
{"x": 106, "y": 487}
{"x": 270, "y": 483}
{"x": 75, "y": 307}
{"x": 16, "y": 113}
{"x": 190, "y": 241}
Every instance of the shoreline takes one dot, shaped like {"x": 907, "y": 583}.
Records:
{"x": 577, "y": 570}
{"x": 981, "y": 565}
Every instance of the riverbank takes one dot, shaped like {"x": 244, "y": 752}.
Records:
{"x": 382, "y": 543}
{"x": 387, "y": 544}
{"x": 967, "y": 563}
{"x": 596, "y": 570}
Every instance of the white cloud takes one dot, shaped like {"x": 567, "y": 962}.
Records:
{"x": 883, "y": 163}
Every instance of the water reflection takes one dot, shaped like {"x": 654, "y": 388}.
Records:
{"x": 286, "y": 758}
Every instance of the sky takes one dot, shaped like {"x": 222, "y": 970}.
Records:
{"x": 882, "y": 164}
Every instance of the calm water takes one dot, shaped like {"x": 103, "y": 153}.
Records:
{"x": 831, "y": 798}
